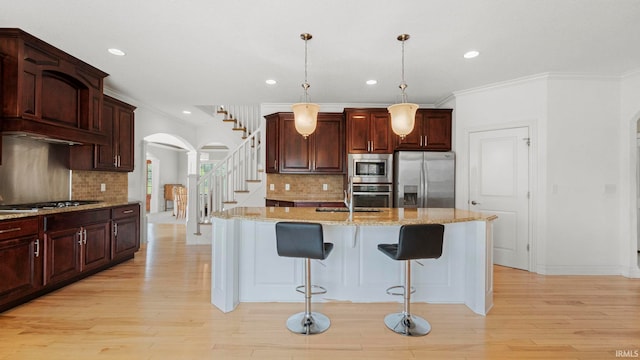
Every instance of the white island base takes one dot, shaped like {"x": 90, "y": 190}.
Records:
{"x": 247, "y": 268}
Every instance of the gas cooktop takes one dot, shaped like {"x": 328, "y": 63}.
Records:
{"x": 33, "y": 207}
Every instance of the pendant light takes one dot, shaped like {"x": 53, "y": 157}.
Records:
{"x": 403, "y": 116}
{"x": 305, "y": 114}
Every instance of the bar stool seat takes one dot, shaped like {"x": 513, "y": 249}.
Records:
{"x": 304, "y": 240}
{"x": 419, "y": 241}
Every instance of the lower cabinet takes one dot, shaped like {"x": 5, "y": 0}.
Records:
{"x": 21, "y": 264}
{"x": 39, "y": 254}
{"x": 126, "y": 230}
{"x": 76, "y": 242}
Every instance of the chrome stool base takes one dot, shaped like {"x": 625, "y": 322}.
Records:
{"x": 308, "y": 324}
{"x": 407, "y": 324}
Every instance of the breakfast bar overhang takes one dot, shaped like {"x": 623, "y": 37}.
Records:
{"x": 246, "y": 267}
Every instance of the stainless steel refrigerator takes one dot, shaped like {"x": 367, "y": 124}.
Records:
{"x": 424, "y": 179}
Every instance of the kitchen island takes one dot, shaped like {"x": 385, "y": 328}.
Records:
{"x": 247, "y": 268}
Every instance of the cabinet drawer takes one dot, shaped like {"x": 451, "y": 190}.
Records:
{"x": 12, "y": 229}
{"x": 125, "y": 211}
{"x": 74, "y": 219}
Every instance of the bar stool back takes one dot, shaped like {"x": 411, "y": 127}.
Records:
{"x": 419, "y": 241}
{"x": 304, "y": 240}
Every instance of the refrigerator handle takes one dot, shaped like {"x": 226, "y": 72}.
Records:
{"x": 423, "y": 185}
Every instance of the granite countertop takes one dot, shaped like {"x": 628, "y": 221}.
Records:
{"x": 386, "y": 216}
{"x": 101, "y": 205}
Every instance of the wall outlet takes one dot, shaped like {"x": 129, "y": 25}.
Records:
{"x": 272, "y": 187}
{"x": 103, "y": 187}
{"x": 287, "y": 187}
{"x": 325, "y": 187}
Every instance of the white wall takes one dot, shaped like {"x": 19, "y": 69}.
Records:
{"x": 172, "y": 169}
{"x": 148, "y": 122}
{"x": 577, "y": 188}
{"x": 630, "y": 114}
{"x": 583, "y": 178}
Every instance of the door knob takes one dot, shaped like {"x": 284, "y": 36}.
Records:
{"x": 473, "y": 202}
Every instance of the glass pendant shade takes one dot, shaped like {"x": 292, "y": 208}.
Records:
{"x": 305, "y": 117}
{"x": 403, "y": 118}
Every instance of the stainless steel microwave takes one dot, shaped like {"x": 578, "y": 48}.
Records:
{"x": 370, "y": 168}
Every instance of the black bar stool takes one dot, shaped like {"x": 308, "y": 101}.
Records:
{"x": 420, "y": 241}
{"x": 304, "y": 240}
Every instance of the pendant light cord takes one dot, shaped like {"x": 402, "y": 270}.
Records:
{"x": 306, "y": 85}
{"x": 403, "y": 84}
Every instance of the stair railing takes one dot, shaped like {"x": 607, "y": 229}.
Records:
{"x": 230, "y": 176}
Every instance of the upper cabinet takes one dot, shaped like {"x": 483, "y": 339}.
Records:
{"x": 368, "y": 131}
{"x": 49, "y": 93}
{"x": 117, "y": 154}
{"x": 432, "y": 131}
{"x": 321, "y": 152}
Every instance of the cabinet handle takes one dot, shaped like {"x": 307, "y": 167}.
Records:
{"x": 425, "y": 140}
{"x": 275, "y": 164}
{"x": 37, "y": 252}
{"x": 115, "y": 160}
{"x": 84, "y": 232}
{"x": 127, "y": 212}
{"x": 80, "y": 237}
{"x": 115, "y": 229}
{"x": 420, "y": 141}
{"x": 10, "y": 230}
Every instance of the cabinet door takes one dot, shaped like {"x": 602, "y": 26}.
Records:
{"x": 272, "y": 129}
{"x": 125, "y": 237}
{"x": 21, "y": 262}
{"x": 123, "y": 138}
{"x": 413, "y": 140}
{"x": 358, "y": 132}
{"x": 96, "y": 246}
{"x": 380, "y": 133}
{"x": 63, "y": 254}
{"x": 105, "y": 154}
{"x": 295, "y": 150}
{"x": 437, "y": 129}
{"x": 328, "y": 145}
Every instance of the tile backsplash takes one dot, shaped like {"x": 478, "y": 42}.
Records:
{"x": 305, "y": 185}
{"x": 86, "y": 185}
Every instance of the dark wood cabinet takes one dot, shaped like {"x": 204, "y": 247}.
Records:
{"x": 368, "y": 131}
{"x": 321, "y": 152}
{"x": 432, "y": 131}
{"x": 47, "y": 92}
{"x": 117, "y": 155}
{"x": 76, "y": 242}
{"x": 39, "y": 254}
{"x": 126, "y": 231}
{"x": 273, "y": 148}
{"x": 21, "y": 264}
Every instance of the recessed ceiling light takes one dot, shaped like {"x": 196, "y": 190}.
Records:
{"x": 271, "y": 82}
{"x": 116, "y": 52}
{"x": 186, "y": 112}
{"x": 471, "y": 54}
{"x": 372, "y": 82}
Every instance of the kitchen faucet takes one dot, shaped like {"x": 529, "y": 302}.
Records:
{"x": 348, "y": 196}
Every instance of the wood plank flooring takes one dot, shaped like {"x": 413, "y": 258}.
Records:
{"x": 157, "y": 307}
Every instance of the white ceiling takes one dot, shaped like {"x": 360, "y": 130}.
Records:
{"x": 192, "y": 54}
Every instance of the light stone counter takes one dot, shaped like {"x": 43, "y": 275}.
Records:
{"x": 104, "y": 204}
{"x": 247, "y": 268}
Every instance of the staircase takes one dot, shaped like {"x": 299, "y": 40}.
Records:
{"x": 240, "y": 172}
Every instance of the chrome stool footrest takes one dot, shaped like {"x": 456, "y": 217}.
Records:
{"x": 322, "y": 290}
{"x": 390, "y": 290}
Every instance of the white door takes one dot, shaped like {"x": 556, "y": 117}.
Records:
{"x": 499, "y": 184}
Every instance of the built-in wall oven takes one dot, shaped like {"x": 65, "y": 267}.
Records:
{"x": 371, "y": 179}
{"x": 372, "y": 195}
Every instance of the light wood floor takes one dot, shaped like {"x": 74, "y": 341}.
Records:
{"x": 157, "y": 307}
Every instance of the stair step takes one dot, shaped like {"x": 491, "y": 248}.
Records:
{"x": 254, "y": 181}
{"x": 230, "y": 202}
{"x": 241, "y": 191}
{"x": 239, "y": 129}
{"x": 230, "y": 120}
